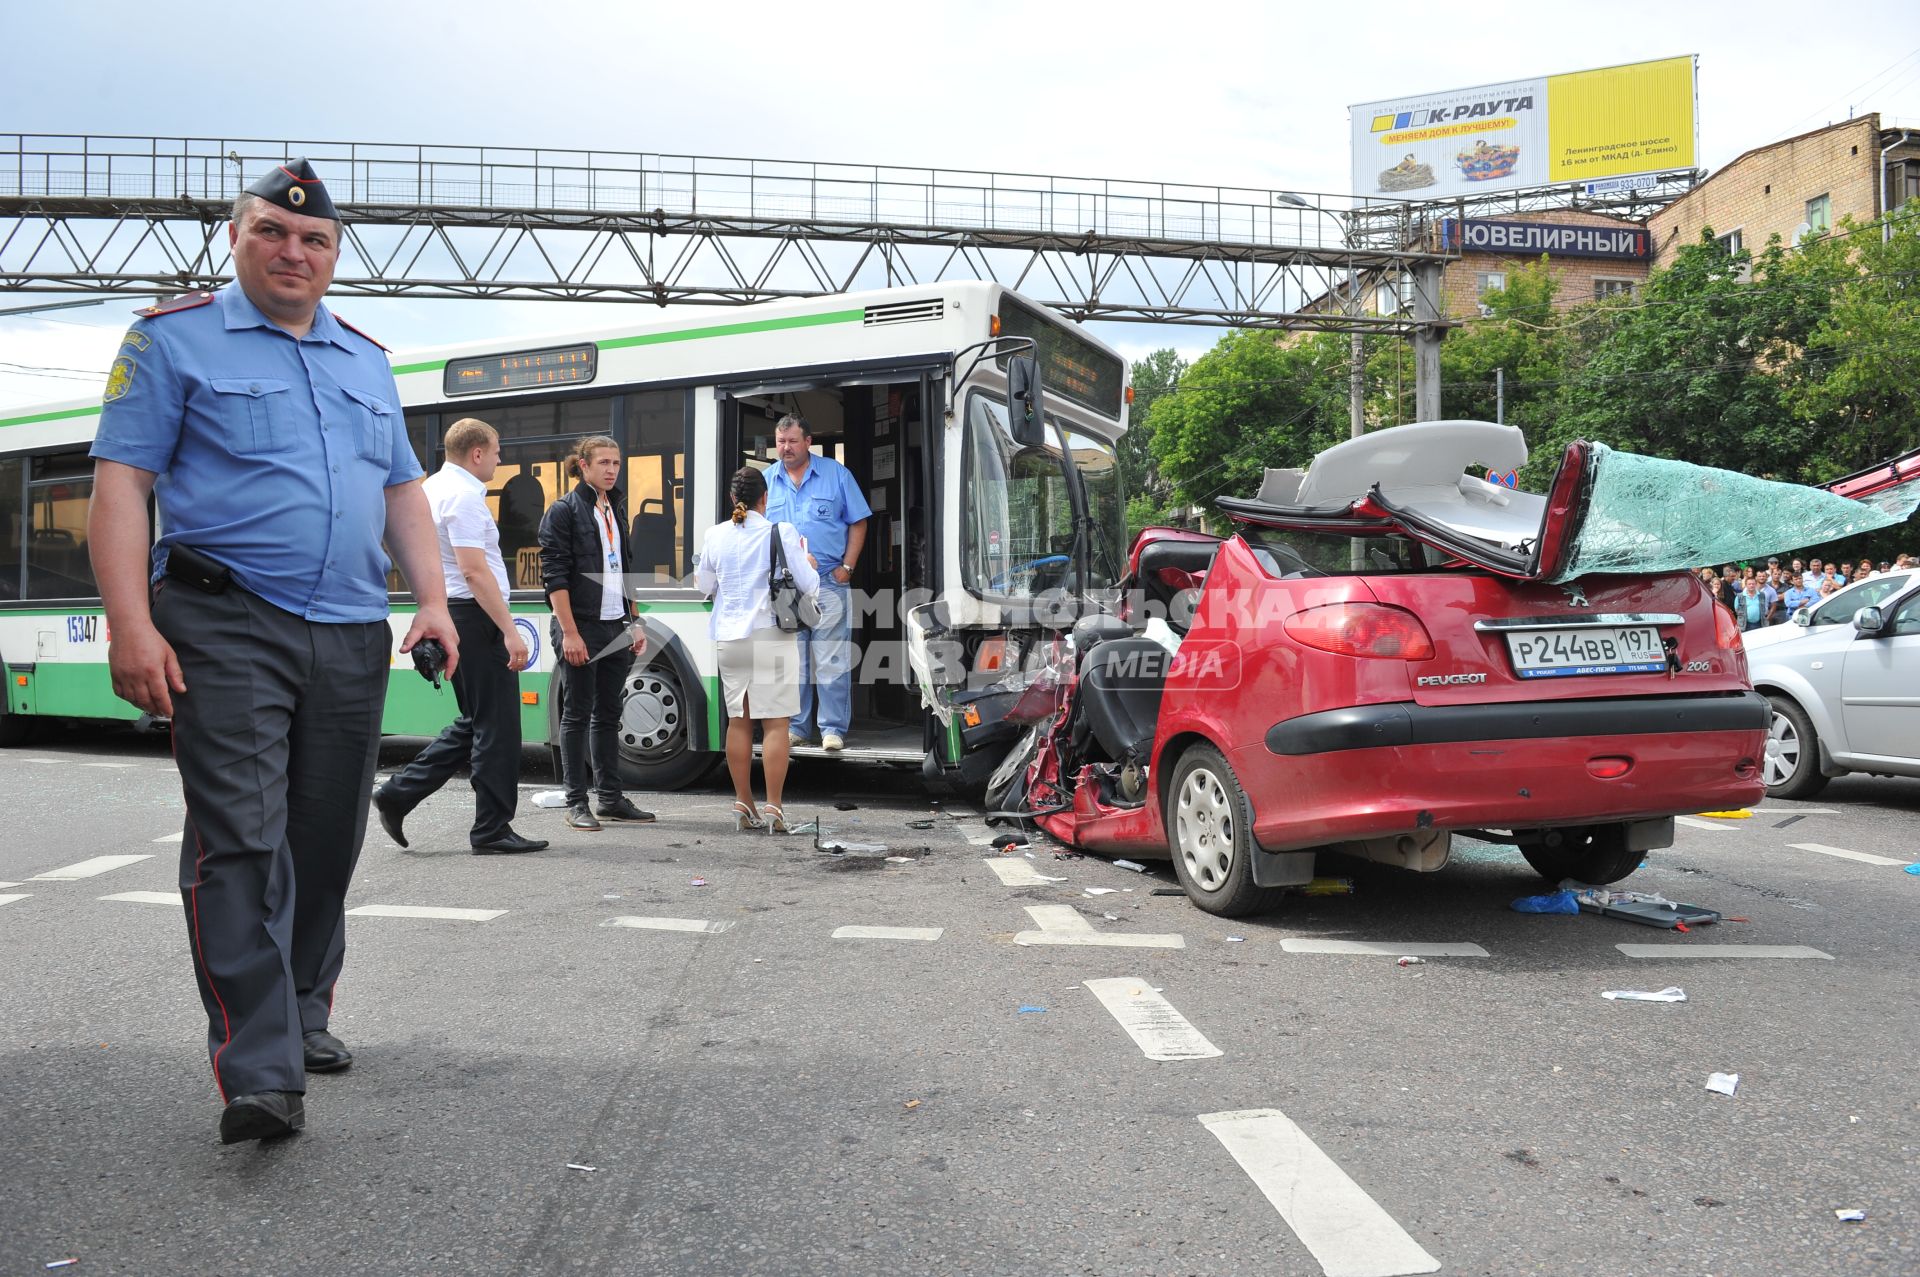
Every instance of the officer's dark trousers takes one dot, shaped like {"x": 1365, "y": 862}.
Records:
{"x": 276, "y": 738}
{"x": 486, "y": 736}
{"x": 590, "y": 702}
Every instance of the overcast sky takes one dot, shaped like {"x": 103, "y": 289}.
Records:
{"x": 1252, "y": 94}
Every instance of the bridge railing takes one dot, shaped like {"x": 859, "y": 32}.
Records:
{"x": 749, "y": 192}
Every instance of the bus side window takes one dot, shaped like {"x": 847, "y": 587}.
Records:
{"x": 59, "y": 493}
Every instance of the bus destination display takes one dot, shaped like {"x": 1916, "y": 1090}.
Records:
{"x": 1069, "y": 364}
{"x": 522, "y": 370}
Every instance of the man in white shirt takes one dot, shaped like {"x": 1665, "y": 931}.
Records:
{"x": 486, "y": 685}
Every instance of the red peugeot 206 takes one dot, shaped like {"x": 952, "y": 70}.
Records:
{"x": 1386, "y": 652}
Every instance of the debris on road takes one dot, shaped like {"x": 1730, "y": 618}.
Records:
{"x": 1103, "y": 891}
{"x": 1129, "y": 864}
{"x": 1004, "y": 843}
{"x": 1410, "y": 962}
{"x": 899, "y": 860}
{"x": 1672, "y": 993}
{"x": 1551, "y": 902}
{"x": 911, "y": 1104}
{"x": 698, "y": 882}
{"x": 1236, "y": 939}
{"x": 1327, "y": 887}
{"x": 1723, "y": 1083}
{"x": 1913, "y": 868}
{"x": 549, "y": 798}
{"x": 581, "y": 1166}
{"x": 1168, "y": 891}
{"x": 846, "y": 806}
{"x": 920, "y": 824}
{"x": 68, "y": 1263}
{"x": 1742, "y": 814}
{"x": 1844, "y": 1216}
{"x": 1031, "y": 1011}
{"x": 841, "y": 847}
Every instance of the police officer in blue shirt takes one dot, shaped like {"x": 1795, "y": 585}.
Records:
{"x": 819, "y": 496}
{"x": 269, "y": 433}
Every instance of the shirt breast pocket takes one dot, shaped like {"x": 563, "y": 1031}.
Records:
{"x": 255, "y": 412}
{"x": 825, "y": 510}
{"x": 376, "y": 420}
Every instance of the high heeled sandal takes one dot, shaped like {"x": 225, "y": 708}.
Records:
{"x": 745, "y": 817}
{"x": 776, "y": 820}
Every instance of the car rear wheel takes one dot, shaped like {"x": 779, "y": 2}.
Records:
{"x": 1595, "y": 854}
{"x": 1792, "y": 768}
{"x": 1210, "y": 829}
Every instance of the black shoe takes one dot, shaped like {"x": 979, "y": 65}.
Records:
{"x": 507, "y": 844}
{"x": 578, "y": 817}
{"x": 623, "y": 810}
{"x": 265, "y": 1115}
{"x": 325, "y": 1053}
{"x": 391, "y": 813}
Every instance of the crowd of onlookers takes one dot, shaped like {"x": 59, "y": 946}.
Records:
{"x": 1769, "y": 595}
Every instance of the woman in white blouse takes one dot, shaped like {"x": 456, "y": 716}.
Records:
{"x": 759, "y": 662}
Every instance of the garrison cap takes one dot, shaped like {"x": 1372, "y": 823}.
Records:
{"x": 295, "y": 187}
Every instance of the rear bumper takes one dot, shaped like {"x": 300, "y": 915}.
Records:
{"x": 1405, "y": 723}
{"x": 1448, "y": 768}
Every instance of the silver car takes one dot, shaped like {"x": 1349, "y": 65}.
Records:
{"x": 1844, "y": 681}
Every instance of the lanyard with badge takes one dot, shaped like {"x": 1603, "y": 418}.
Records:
{"x": 613, "y": 538}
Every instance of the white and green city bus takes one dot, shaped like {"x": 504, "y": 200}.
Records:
{"x": 984, "y": 519}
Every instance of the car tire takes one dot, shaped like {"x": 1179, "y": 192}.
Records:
{"x": 1792, "y": 765}
{"x": 1593, "y": 854}
{"x": 1210, "y": 833}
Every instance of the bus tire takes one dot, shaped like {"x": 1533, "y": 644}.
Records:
{"x": 655, "y": 735}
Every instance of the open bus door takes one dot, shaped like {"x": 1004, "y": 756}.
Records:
{"x": 882, "y": 424}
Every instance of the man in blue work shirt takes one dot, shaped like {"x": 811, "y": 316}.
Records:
{"x": 819, "y": 496}
{"x": 270, "y": 434}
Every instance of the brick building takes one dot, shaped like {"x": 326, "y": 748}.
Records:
{"x": 1796, "y": 186}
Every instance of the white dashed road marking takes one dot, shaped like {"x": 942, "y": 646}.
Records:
{"x": 425, "y": 911}
{"x": 1721, "y": 951}
{"x": 1865, "y": 858}
{"x": 1794, "y": 811}
{"x": 1347, "y": 1231}
{"x": 89, "y": 868}
{"x": 1018, "y": 872}
{"x": 7, "y": 900}
{"x": 1694, "y": 822}
{"x": 888, "y": 933}
{"x": 5, "y": 885}
{"x": 1384, "y": 949}
{"x": 147, "y": 897}
{"x": 109, "y": 764}
{"x": 173, "y": 837}
{"x": 1161, "y": 1032}
{"x": 697, "y": 925}
{"x": 1063, "y": 924}
{"x": 978, "y": 835}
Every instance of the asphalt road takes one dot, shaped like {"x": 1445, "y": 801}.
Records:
{"x": 759, "y": 1096}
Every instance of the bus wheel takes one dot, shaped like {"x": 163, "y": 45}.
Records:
{"x": 653, "y": 733}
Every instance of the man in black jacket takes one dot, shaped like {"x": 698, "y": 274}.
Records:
{"x": 583, "y": 566}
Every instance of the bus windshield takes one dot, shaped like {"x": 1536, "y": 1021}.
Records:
{"x": 1017, "y": 510}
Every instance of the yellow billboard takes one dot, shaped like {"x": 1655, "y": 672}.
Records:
{"x": 1628, "y": 119}
{"x": 1580, "y": 127}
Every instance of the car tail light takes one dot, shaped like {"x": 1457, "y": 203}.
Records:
{"x": 1362, "y": 629}
{"x": 1726, "y": 630}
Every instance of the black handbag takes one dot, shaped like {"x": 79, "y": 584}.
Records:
{"x": 793, "y": 610}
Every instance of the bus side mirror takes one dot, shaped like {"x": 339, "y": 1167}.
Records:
{"x": 1024, "y": 402}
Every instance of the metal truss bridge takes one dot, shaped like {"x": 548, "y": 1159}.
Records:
{"x": 147, "y": 214}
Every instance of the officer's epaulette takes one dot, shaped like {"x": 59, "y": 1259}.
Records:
{"x": 174, "y": 305}
{"x": 350, "y": 328}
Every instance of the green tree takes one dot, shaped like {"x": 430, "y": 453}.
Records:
{"x": 1521, "y": 335}
{"x": 1701, "y": 365}
{"x": 1147, "y": 495}
{"x": 1862, "y": 364}
{"x": 1247, "y": 404}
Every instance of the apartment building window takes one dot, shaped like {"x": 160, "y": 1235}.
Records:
{"x": 1605, "y": 288}
{"x": 1820, "y": 214}
{"x": 1910, "y": 181}
{"x": 1487, "y": 281}
{"x": 1731, "y": 243}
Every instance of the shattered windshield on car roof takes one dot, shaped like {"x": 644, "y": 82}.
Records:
{"x": 1648, "y": 514}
